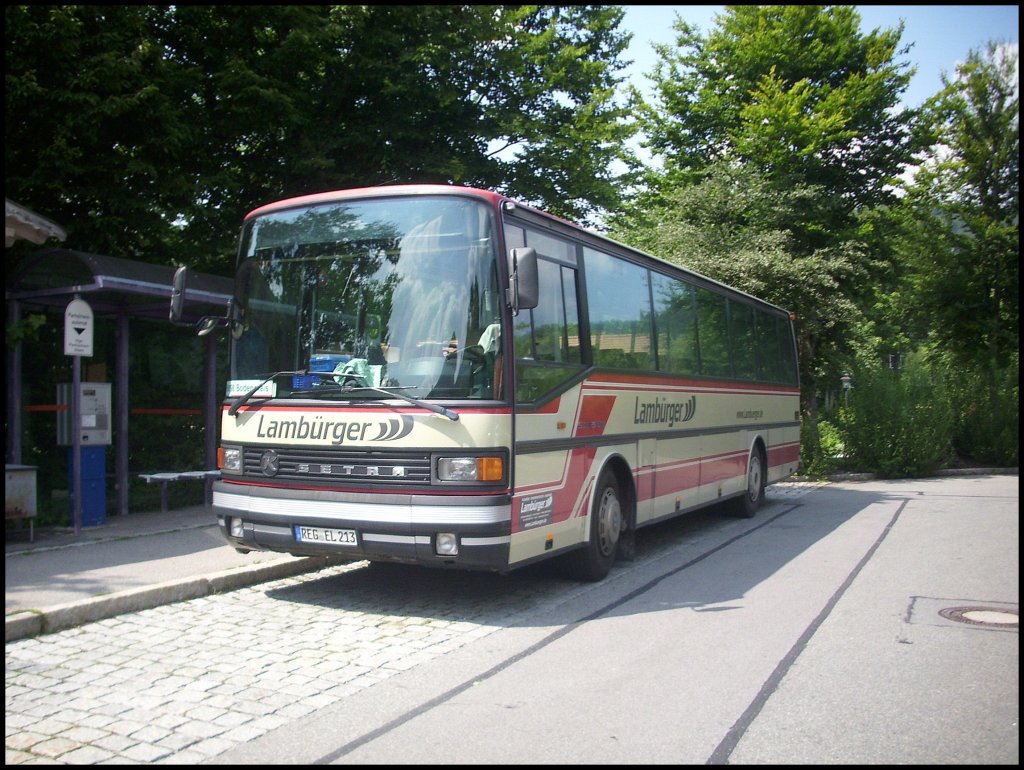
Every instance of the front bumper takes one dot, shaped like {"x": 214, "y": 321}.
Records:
{"x": 388, "y": 527}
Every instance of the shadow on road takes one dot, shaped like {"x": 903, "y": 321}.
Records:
{"x": 746, "y": 552}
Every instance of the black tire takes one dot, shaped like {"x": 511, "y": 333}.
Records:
{"x": 607, "y": 519}
{"x": 751, "y": 500}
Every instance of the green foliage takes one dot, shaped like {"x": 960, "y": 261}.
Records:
{"x": 796, "y": 92}
{"x": 149, "y": 131}
{"x": 987, "y": 414}
{"x": 24, "y": 330}
{"x": 962, "y": 250}
{"x": 956, "y": 242}
{"x": 822, "y": 450}
{"x": 831, "y": 439}
{"x": 898, "y": 424}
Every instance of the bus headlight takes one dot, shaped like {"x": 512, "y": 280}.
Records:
{"x": 231, "y": 459}
{"x": 488, "y": 468}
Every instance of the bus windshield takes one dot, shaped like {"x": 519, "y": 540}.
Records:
{"x": 393, "y": 293}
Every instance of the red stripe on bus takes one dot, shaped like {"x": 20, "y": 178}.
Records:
{"x": 780, "y": 455}
{"x": 593, "y": 416}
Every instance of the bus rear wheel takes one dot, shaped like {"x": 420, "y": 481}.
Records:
{"x": 748, "y": 503}
{"x": 594, "y": 561}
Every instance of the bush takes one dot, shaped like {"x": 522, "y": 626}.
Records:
{"x": 898, "y": 424}
{"x": 987, "y": 416}
{"x": 822, "y": 454}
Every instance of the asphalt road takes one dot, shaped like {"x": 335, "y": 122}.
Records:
{"x": 810, "y": 634}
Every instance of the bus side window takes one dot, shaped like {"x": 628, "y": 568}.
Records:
{"x": 547, "y": 338}
{"x": 741, "y": 335}
{"x": 675, "y": 318}
{"x": 619, "y": 300}
{"x": 713, "y": 333}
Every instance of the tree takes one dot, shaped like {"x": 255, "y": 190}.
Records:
{"x": 795, "y": 91}
{"x": 96, "y": 138}
{"x": 798, "y": 95}
{"x": 963, "y": 255}
{"x": 960, "y": 250}
{"x": 149, "y": 131}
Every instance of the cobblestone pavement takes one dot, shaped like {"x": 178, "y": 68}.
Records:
{"x": 185, "y": 682}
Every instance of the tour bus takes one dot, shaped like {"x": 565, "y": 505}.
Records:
{"x": 445, "y": 376}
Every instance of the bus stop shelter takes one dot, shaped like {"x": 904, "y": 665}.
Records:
{"x": 122, "y": 290}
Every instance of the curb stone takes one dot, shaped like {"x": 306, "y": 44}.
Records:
{"x": 948, "y": 472}
{"x": 28, "y": 623}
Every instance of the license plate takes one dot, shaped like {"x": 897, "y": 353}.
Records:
{"x": 324, "y": 536}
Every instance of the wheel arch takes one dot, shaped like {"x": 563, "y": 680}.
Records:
{"x": 758, "y": 444}
{"x": 751, "y": 499}
{"x": 618, "y": 466}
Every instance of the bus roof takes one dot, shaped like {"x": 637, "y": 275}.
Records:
{"x": 378, "y": 191}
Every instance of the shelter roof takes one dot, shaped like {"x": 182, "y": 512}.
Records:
{"x": 21, "y": 223}
{"x": 112, "y": 285}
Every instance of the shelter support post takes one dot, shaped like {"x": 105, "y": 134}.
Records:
{"x": 13, "y": 449}
{"x": 121, "y": 395}
{"x": 210, "y": 409}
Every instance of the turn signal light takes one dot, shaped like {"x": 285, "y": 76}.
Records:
{"x": 490, "y": 469}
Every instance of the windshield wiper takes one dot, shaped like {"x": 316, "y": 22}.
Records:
{"x": 241, "y": 400}
{"x": 451, "y": 414}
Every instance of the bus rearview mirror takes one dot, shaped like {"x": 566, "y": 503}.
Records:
{"x": 206, "y": 324}
{"x": 178, "y": 294}
{"x": 524, "y": 289}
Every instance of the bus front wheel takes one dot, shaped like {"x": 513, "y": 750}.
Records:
{"x": 594, "y": 561}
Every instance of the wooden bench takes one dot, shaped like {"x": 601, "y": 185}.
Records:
{"x": 165, "y": 477}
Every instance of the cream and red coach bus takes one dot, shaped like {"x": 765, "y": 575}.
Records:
{"x": 443, "y": 376}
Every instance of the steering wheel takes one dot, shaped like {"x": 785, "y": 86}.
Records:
{"x": 347, "y": 377}
{"x": 473, "y": 353}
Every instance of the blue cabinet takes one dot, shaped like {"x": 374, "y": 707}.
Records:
{"x": 94, "y": 485}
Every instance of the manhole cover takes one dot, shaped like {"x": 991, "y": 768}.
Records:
{"x": 995, "y": 617}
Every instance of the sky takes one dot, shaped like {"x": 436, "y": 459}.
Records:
{"x": 941, "y": 36}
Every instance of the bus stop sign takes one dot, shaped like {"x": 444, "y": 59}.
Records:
{"x": 78, "y": 328}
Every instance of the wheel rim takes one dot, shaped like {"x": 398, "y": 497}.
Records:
{"x": 609, "y": 521}
{"x": 754, "y": 478}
